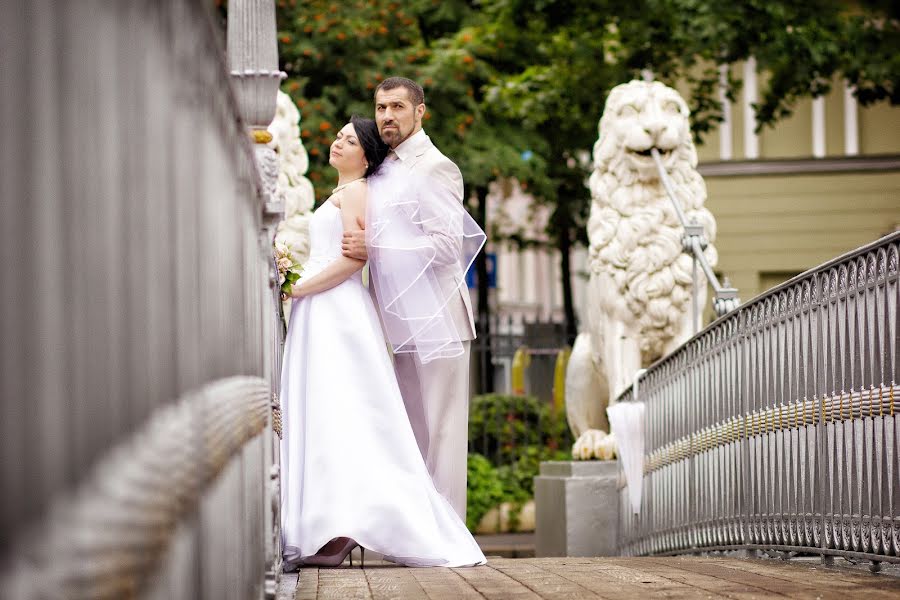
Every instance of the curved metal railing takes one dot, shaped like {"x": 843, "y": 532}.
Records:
{"x": 778, "y": 426}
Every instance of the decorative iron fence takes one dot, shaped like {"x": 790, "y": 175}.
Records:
{"x": 778, "y": 426}
{"x": 493, "y": 354}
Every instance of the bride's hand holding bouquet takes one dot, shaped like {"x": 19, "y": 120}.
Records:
{"x": 288, "y": 269}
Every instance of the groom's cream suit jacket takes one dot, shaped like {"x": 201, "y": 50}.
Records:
{"x": 417, "y": 153}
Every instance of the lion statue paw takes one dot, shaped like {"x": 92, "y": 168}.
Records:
{"x": 594, "y": 444}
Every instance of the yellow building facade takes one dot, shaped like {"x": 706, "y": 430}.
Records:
{"x": 822, "y": 182}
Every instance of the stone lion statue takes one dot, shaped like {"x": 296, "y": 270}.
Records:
{"x": 639, "y": 292}
{"x": 294, "y": 189}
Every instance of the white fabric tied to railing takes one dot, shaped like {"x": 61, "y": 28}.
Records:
{"x": 627, "y": 420}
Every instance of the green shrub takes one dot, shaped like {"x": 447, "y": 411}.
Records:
{"x": 517, "y": 478}
{"x": 485, "y": 491}
{"x": 488, "y": 486}
{"x": 509, "y": 436}
{"x": 501, "y": 426}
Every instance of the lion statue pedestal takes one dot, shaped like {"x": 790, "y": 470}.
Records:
{"x": 577, "y": 509}
{"x": 639, "y": 293}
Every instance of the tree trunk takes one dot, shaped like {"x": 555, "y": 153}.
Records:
{"x": 565, "y": 249}
{"x": 564, "y": 232}
{"x": 483, "y": 329}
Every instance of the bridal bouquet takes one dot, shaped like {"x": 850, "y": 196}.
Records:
{"x": 288, "y": 269}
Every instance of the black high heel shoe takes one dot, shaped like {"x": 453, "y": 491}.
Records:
{"x": 337, "y": 558}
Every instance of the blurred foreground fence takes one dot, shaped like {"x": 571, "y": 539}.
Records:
{"x": 139, "y": 345}
{"x": 778, "y": 426}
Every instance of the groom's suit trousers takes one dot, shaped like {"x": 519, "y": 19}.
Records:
{"x": 436, "y": 396}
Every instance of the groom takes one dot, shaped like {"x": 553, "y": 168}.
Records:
{"x": 436, "y": 394}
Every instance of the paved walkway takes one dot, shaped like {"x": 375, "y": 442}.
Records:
{"x": 591, "y": 578}
{"x": 507, "y": 545}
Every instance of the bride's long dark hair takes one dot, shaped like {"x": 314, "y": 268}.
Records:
{"x": 374, "y": 148}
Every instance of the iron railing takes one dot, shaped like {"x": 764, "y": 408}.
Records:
{"x": 778, "y": 426}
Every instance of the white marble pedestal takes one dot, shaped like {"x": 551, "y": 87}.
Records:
{"x": 577, "y": 508}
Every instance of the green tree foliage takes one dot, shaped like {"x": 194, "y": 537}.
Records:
{"x": 515, "y": 87}
{"x": 572, "y": 52}
{"x": 563, "y": 57}
{"x": 336, "y": 53}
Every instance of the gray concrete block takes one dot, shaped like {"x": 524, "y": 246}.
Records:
{"x": 577, "y": 508}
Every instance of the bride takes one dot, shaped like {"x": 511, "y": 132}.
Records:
{"x": 352, "y": 473}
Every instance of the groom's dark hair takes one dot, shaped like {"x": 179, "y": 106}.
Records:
{"x": 415, "y": 91}
{"x": 373, "y": 146}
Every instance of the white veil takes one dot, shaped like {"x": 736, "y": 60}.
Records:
{"x": 421, "y": 242}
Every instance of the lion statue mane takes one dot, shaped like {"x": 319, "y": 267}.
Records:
{"x": 639, "y": 291}
{"x": 294, "y": 189}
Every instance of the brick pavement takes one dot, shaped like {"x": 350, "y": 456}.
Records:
{"x": 593, "y": 578}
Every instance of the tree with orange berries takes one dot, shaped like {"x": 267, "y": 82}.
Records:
{"x": 336, "y": 54}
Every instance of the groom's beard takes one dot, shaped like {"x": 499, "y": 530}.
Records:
{"x": 391, "y": 137}
{"x": 394, "y": 137}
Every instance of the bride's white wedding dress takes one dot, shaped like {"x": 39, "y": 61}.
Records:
{"x": 350, "y": 463}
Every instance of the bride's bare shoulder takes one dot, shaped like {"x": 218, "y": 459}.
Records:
{"x": 357, "y": 188}
{"x": 352, "y": 189}
{"x": 354, "y": 194}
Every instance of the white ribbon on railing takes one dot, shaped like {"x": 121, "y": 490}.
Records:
{"x": 626, "y": 419}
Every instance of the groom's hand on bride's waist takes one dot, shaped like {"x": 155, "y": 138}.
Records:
{"x": 354, "y": 243}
